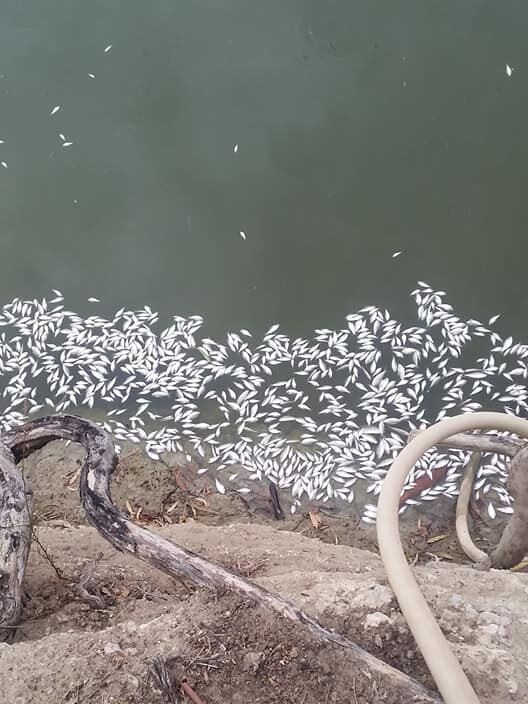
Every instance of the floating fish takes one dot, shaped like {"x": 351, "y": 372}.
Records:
{"x": 55, "y": 110}
{"x": 509, "y": 70}
{"x": 243, "y": 234}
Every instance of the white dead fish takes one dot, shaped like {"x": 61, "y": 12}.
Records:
{"x": 92, "y": 299}
{"x": 493, "y": 319}
{"x": 107, "y": 49}
{"x": 243, "y": 234}
{"x": 55, "y": 110}
{"x": 235, "y": 148}
{"x": 4, "y": 164}
{"x": 62, "y": 137}
{"x": 67, "y": 144}
{"x": 220, "y": 487}
{"x": 395, "y": 254}
{"x": 91, "y": 75}
{"x": 509, "y": 70}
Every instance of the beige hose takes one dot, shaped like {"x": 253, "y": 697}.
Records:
{"x": 450, "y": 679}
{"x": 462, "y": 509}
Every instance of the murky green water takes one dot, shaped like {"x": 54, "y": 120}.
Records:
{"x": 362, "y": 128}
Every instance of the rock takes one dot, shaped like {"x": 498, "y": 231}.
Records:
{"x": 375, "y": 620}
{"x": 112, "y": 648}
{"x": 251, "y": 661}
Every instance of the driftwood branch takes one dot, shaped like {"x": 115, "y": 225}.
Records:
{"x": 167, "y": 556}
{"x": 480, "y": 443}
{"x": 513, "y": 545}
{"x": 15, "y": 540}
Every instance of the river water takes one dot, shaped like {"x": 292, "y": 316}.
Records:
{"x": 362, "y": 128}
{"x": 268, "y": 163}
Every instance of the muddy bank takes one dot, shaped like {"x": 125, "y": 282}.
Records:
{"x": 69, "y": 651}
{"x": 170, "y": 491}
{"x": 95, "y": 620}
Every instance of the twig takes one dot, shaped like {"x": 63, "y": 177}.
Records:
{"x": 48, "y": 558}
{"x": 189, "y": 691}
{"x": 275, "y": 502}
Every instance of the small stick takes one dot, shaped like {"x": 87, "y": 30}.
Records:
{"x": 275, "y": 502}
{"x": 189, "y": 691}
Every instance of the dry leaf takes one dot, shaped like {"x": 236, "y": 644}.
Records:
{"x": 75, "y": 477}
{"x": 171, "y": 508}
{"x": 436, "y": 538}
{"x": 58, "y": 523}
{"x": 316, "y": 519}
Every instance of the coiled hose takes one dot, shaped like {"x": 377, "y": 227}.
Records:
{"x": 449, "y": 676}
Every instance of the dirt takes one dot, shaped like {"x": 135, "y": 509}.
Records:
{"x": 100, "y": 627}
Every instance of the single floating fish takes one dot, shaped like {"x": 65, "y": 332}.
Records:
{"x": 396, "y": 254}
{"x": 243, "y": 234}
{"x": 67, "y": 144}
{"x": 91, "y": 75}
{"x": 92, "y": 299}
{"x": 235, "y": 148}
{"x": 4, "y": 164}
{"x": 509, "y": 70}
{"x": 107, "y": 49}
{"x": 55, "y": 110}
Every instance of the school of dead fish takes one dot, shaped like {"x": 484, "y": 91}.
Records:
{"x": 316, "y": 416}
